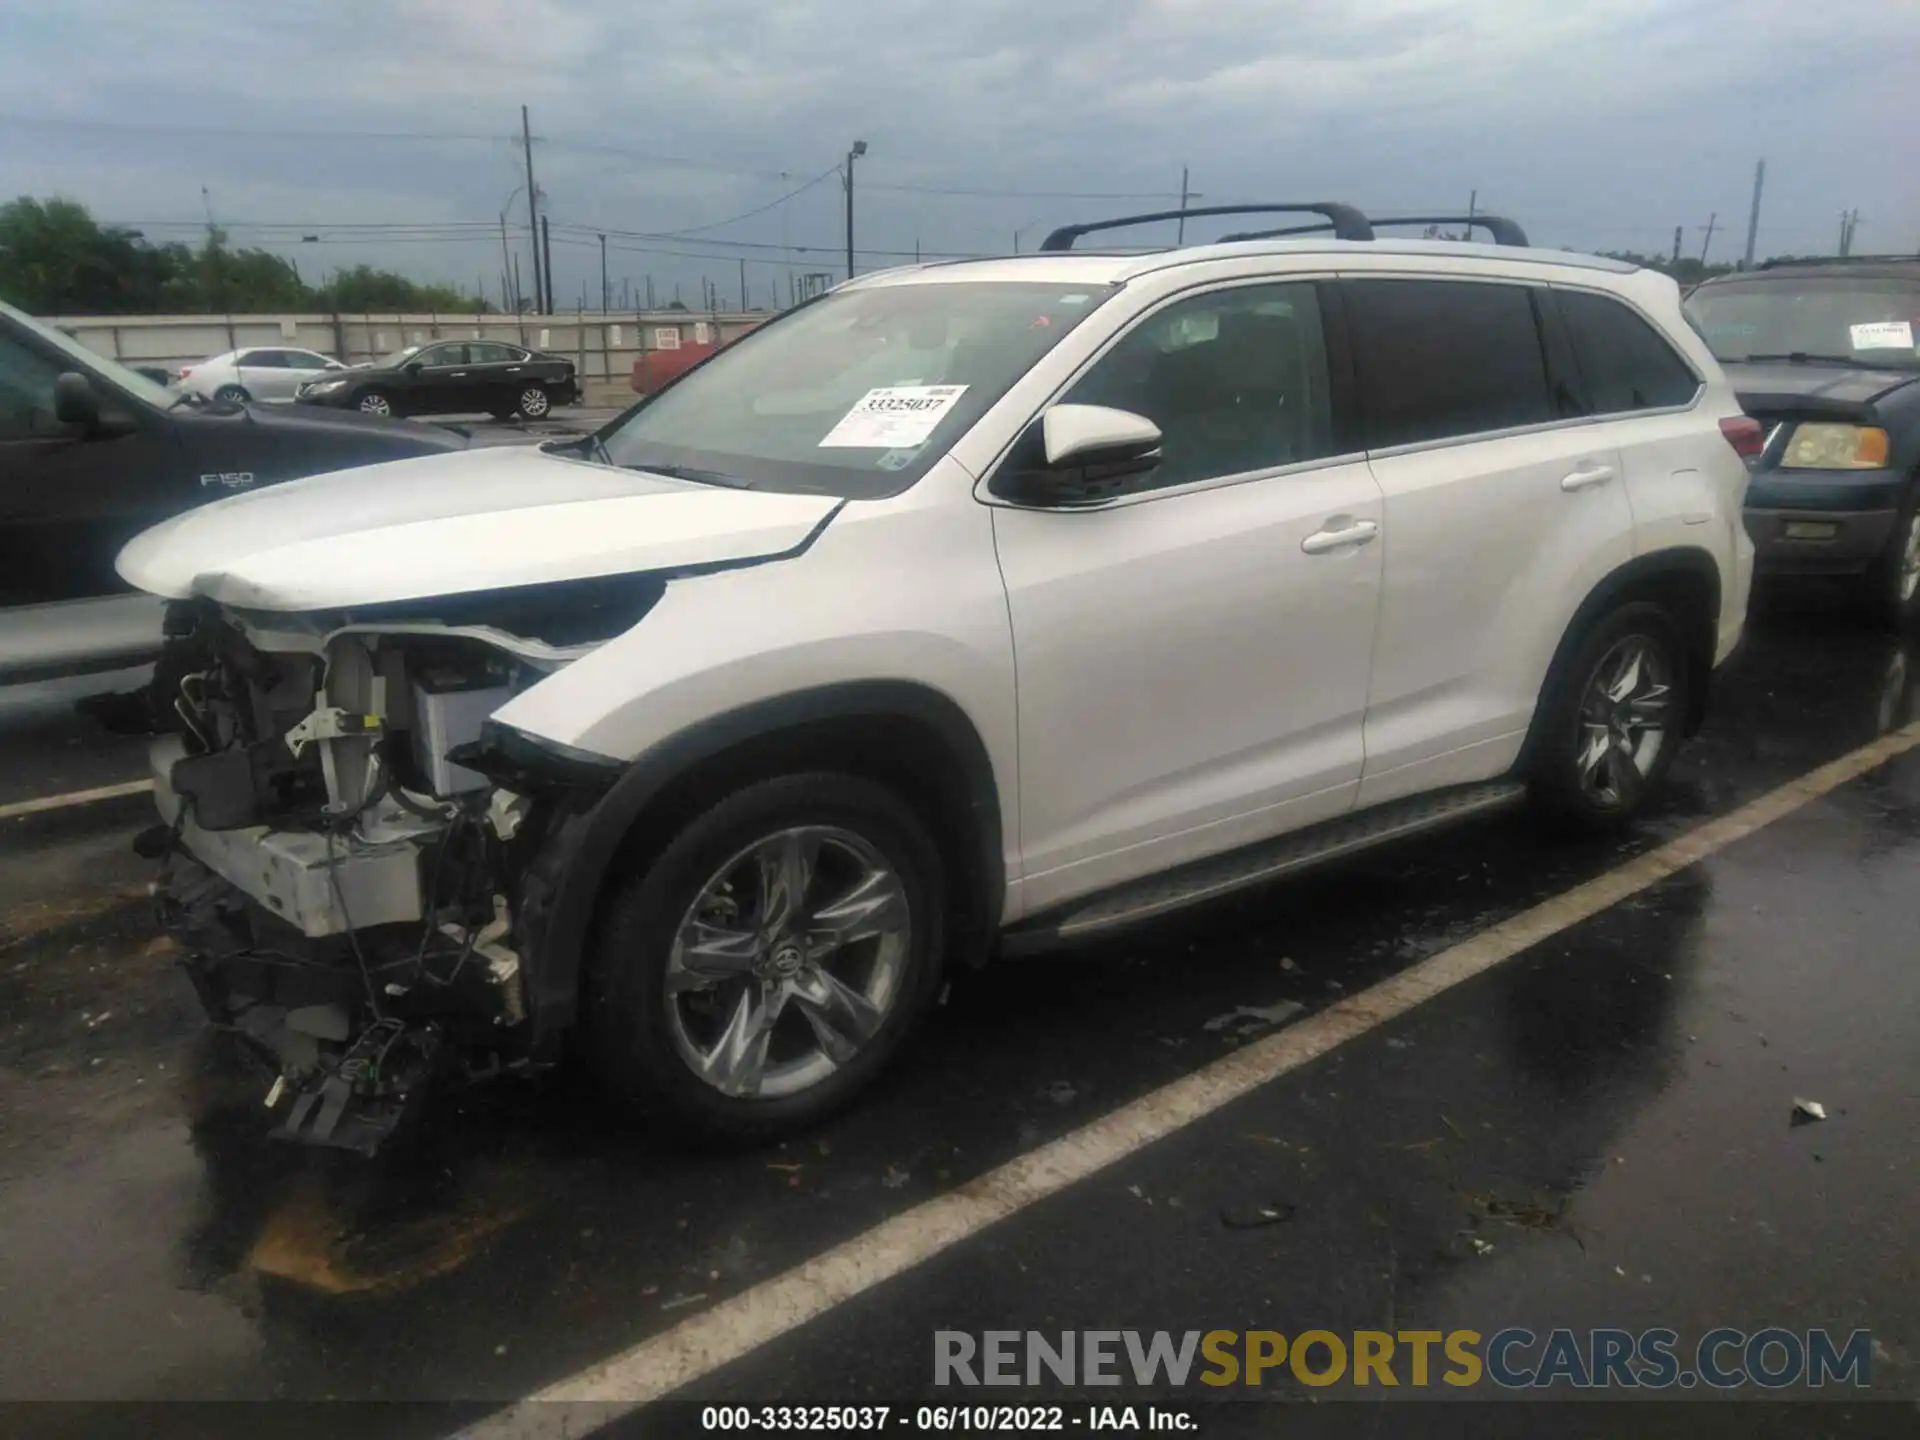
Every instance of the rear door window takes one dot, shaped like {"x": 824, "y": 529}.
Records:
{"x": 1440, "y": 359}
{"x": 1623, "y": 362}
{"x": 264, "y": 360}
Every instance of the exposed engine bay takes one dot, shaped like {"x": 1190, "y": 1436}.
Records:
{"x": 348, "y": 895}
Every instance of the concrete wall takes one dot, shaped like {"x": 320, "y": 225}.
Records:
{"x": 602, "y": 347}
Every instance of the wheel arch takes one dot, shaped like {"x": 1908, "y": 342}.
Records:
{"x": 902, "y": 733}
{"x": 1686, "y": 580}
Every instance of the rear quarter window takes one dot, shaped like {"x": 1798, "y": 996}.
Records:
{"x": 1624, "y": 363}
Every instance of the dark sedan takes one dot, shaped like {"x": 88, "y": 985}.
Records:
{"x": 451, "y": 377}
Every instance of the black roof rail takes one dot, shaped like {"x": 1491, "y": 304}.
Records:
{"x": 1346, "y": 222}
{"x": 1778, "y": 261}
{"x": 1503, "y": 230}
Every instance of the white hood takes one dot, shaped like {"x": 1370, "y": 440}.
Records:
{"x": 454, "y": 524}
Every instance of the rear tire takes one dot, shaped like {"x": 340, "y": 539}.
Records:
{"x": 1610, "y": 726}
{"x": 232, "y": 395}
{"x": 534, "y": 403}
{"x": 715, "y": 1006}
{"x": 1892, "y": 586}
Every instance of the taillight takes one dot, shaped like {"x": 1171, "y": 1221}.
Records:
{"x": 1746, "y": 434}
{"x": 185, "y": 371}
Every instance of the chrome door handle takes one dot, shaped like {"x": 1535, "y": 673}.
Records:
{"x": 457, "y": 375}
{"x": 1586, "y": 478}
{"x": 1349, "y": 536}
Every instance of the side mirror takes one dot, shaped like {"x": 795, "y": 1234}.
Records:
{"x": 74, "y": 402}
{"x": 1086, "y": 453}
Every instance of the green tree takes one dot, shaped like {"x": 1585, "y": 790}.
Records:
{"x": 56, "y": 259}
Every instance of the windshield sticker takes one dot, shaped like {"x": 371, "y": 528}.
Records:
{"x": 893, "y": 417}
{"x": 897, "y": 459}
{"x": 1882, "y": 335}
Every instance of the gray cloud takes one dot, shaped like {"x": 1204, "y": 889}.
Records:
{"x": 1598, "y": 124}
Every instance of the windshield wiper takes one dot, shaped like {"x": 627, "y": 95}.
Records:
{"x": 699, "y": 477}
{"x": 1801, "y": 357}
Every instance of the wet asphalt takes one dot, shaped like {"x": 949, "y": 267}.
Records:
{"x": 1596, "y": 1133}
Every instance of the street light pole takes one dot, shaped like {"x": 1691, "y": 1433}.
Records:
{"x": 859, "y": 149}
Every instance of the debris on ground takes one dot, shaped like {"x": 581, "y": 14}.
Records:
{"x": 1256, "y": 1216}
{"x": 1061, "y": 1092}
{"x": 1805, "y": 1112}
{"x": 894, "y": 1177}
{"x": 1479, "y": 1246}
{"x": 1245, "y": 1019}
{"x": 681, "y": 1301}
{"x": 1287, "y": 963}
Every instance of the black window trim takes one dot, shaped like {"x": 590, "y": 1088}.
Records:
{"x": 1341, "y": 391}
{"x": 1686, "y": 361}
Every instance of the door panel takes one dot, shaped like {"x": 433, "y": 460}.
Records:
{"x": 266, "y": 376}
{"x": 1190, "y": 678}
{"x": 445, "y": 384}
{"x": 1492, "y": 541}
{"x": 1490, "y": 548}
{"x": 1193, "y": 657}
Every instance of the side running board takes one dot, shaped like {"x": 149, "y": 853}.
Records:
{"x": 1115, "y": 910}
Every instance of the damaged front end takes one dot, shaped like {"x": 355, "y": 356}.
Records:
{"x": 353, "y": 902}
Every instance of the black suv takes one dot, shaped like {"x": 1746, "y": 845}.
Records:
{"x": 92, "y": 453}
{"x": 1824, "y": 353}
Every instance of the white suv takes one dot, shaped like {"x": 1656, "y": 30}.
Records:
{"x": 968, "y": 609}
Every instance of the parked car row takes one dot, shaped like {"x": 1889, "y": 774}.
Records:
{"x": 691, "y": 744}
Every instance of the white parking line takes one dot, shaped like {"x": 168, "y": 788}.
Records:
{"x": 72, "y": 798}
{"x": 736, "y": 1326}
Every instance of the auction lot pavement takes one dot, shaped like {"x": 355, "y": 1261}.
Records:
{"x": 1589, "y": 1124}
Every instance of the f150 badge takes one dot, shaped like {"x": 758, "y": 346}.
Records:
{"x": 232, "y": 479}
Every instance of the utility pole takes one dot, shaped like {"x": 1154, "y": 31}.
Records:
{"x": 1848, "y": 219}
{"x": 533, "y": 224}
{"x": 546, "y": 257}
{"x": 1753, "y": 216}
{"x": 649, "y": 280}
{"x": 1473, "y": 209}
{"x": 1712, "y": 220}
{"x": 1678, "y": 231}
{"x": 859, "y": 149}
{"x": 1180, "y": 238}
{"x": 519, "y": 295}
{"x": 506, "y": 304}
{"x": 606, "y": 295}
{"x": 743, "y": 286}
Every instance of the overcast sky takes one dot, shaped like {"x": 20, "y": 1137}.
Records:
{"x": 1596, "y": 125}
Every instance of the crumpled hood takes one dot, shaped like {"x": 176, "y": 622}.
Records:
{"x": 453, "y": 525}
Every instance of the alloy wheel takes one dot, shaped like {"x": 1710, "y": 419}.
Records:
{"x": 376, "y": 405}
{"x": 534, "y": 402}
{"x": 1625, "y": 718}
{"x": 788, "y": 962}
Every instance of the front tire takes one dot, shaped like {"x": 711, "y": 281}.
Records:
{"x": 534, "y": 403}
{"x": 770, "y": 961}
{"x": 374, "y": 402}
{"x": 1893, "y": 584}
{"x": 1613, "y": 720}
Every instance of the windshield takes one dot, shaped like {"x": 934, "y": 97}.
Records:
{"x": 855, "y": 395}
{"x": 131, "y": 381}
{"x": 1860, "y": 319}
